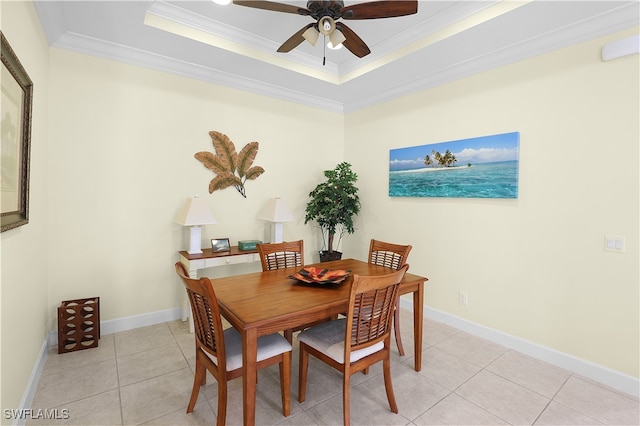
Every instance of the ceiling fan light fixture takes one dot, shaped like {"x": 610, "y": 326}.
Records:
{"x": 326, "y": 25}
{"x": 336, "y": 39}
{"x": 311, "y": 35}
{"x": 222, "y": 2}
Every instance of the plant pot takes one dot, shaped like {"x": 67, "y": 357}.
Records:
{"x": 325, "y": 256}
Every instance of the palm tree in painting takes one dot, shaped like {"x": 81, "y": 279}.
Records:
{"x": 427, "y": 161}
{"x": 438, "y": 157}
{"x": 449, "y": 159}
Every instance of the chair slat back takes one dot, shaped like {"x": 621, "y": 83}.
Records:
{"x": 206, "y": 313}
{"x": 388, "y": 254}
{"x": 371, "y": 307}
{"x": 281, "y": 255}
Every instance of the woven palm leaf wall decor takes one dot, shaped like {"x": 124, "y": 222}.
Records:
{"x": 231, "y": 168}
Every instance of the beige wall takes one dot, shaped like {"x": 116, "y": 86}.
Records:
{"x": 121, "y": 166}
{"x": 534, "y": 267}
{"x": 113, "y": 162}
{"x": 24, "y": 315}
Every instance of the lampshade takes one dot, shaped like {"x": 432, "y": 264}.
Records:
{"x": 311, "y": 35}
{"x": 336, "y": 38}
{"x": 276, "y": 211}
{"x": 195, "y": 212}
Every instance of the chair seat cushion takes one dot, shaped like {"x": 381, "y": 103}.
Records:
{"x": 268, "y": 346}
{"x": 328, "y": 338}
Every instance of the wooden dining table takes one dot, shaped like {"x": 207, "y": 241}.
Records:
{"x": 261, "y": 303}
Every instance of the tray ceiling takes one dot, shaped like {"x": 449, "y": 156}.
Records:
{"x": 236, "y": 46}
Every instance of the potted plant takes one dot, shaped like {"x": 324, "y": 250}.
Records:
{"x": 333, "y": 205}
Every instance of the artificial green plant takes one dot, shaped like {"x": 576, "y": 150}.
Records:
{"x": 334, "y": 203}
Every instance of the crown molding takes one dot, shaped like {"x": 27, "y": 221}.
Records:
{"x": 618, "y": 20}
{"x": 95, "y": 47}
{"x": 608, "y": 22}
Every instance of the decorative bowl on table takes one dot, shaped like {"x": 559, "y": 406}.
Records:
{"x": 320, "y": 276}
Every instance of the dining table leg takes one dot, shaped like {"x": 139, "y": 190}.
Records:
{"x": 418, "y": 297}
{"x": 249, "y": 375}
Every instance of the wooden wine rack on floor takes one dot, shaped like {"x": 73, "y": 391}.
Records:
{"x": 78, "y": 324}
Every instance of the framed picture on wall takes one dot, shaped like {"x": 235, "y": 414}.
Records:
{"x": 15, "y": 141}
{"x": 479, "y": 167}
{"x": 219, "y": 245}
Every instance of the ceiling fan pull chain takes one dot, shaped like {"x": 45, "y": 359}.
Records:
{"x": 324, "y": 50}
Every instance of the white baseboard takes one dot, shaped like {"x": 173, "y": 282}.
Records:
{"x": 32, "y": 384}
{"x": 130, "y": 323}
{"x": 599, "y": 373}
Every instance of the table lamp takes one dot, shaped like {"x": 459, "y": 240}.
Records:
{"x": 276, "y": 211}
{"x": 195, "y": 213}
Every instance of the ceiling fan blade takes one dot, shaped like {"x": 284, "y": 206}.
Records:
{"x": 294, "y": 40}
{"x": 274, "y": 6}
{"x": 380, "y": 9}
{"x": 354, "y": 43}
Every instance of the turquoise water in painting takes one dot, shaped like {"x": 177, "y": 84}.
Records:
{"x": 484, "y": 180}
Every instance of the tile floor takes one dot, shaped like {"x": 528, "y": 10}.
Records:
{"x": 144, "y": 376}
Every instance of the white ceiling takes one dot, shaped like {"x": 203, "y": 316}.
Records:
{"x": 236, "y": 46}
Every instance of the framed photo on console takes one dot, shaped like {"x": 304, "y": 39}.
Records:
{"x": 219, "y": 245}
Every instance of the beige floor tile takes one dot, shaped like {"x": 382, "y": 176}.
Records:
{"x": 455, "y": 410}
{"x": 513, "y": 403}
{"x": 143, "y": 339}
{"x": 268, "y": 401}
{"x": 599, "y": 403}
{"x": 538, "y": 376}
{"x": 560, "y": 415}
{"x": 464, "y": 380}
{"x": 57, "y": 363}
{"x": 414, "y": 392}
{"x": 472, "y": 349}
{"x": 323, "y": 382}
{"x": 210, "y": 390}
{"x": 156, "y": 397}
{"x": 151, "y": 363}
{"x": 187, "y": 345}
{"x": 201, "y": 415}
{"x": 301, "y": 418}
{"x": 602, "y": 385}
{"x": 406, "y": 334}
{"x": 179, "y": 327}
{"x": 435, "y": 333}
{"x": 446, "y": 369}
{"x": 65, "y": 387}
{"x": 363, "y": 411}
{"x": 102, "y": 409}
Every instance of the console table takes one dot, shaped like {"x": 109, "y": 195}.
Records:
{"x": 209, "y": 259}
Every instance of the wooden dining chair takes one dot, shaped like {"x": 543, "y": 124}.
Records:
{"x": 281, "y": 255}
{"x": 392, "y": 256}
{"x": 354, "y": 343}
{"x": 220, "y": 351}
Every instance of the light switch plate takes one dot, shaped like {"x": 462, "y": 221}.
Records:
{"x": 614, "y": 243}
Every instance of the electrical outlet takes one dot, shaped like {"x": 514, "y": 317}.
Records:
{"x": 463, "y": 298}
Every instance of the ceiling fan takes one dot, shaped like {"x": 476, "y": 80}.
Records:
{"x": 327, "y": 14}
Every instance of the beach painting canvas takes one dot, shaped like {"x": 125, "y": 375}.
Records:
{"x": 480, "y": 167}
